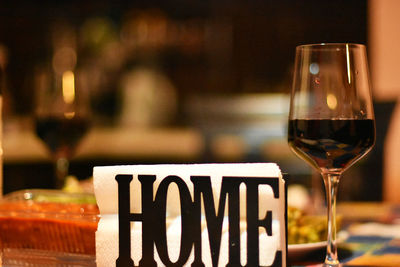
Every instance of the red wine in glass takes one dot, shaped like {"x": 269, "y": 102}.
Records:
{"x": 60, "y": 134}
{"x": 331, "y": 143}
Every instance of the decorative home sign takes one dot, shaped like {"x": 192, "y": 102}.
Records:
{"x": 191, "y": 215}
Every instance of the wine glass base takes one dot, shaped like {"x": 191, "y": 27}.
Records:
{"x": 330, "y": 263}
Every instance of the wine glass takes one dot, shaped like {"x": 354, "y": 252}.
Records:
{"x": 331, "y": 118}
{"x": 62, "y": 116}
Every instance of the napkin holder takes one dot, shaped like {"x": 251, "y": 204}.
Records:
{"x": 202, "y": 211}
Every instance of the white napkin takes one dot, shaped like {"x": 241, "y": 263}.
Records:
{"x": 106, "y": 191}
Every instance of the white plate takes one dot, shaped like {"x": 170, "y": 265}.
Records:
{"x": 300, "y": 250}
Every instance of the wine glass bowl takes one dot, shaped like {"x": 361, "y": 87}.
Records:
{"x": 331, "y": 145}
{"x": 62, "y": 116}
{"x": 331, "y": 118}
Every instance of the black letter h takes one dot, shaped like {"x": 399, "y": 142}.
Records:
{"x": 125, "y": 217}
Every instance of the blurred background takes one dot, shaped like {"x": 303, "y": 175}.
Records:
{"x": 189, "y": 82}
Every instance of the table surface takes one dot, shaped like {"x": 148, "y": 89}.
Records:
{"x": 373, "y": 237}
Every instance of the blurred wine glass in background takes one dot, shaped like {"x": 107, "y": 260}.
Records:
{"x": 62, "y": 109}
{"x": 3, "y": 63}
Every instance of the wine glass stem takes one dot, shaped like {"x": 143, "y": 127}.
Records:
{"x": 62, "y": 165}
{"x": 331, "y": 184}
